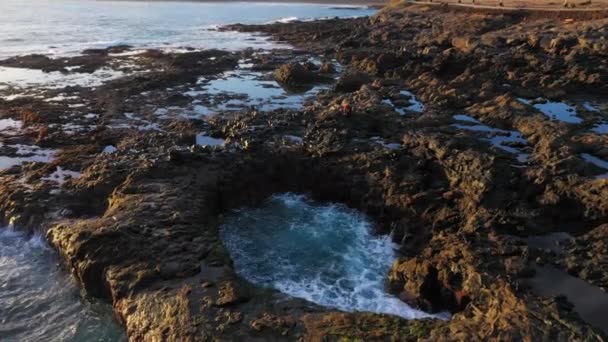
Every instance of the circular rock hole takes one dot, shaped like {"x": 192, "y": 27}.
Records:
{"x": 324, "y": 253}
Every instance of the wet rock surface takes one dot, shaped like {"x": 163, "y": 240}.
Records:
{"x": 136, "y": 219}
{"x": 297, "y": 75}
{"x": 585, "y": 256}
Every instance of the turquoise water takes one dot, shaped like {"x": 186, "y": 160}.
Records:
{"x": 324, "y": 253}
{"x": 40, "y": 302}
{"x": 63, "y": 27}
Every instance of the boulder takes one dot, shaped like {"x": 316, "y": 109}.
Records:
{"x": 327, "y": 68}
{"x": 534, "y": 40}
{"x": 464, "y": 44}
{"x": 492, "y": 41}
{"x": 352, "y": 82}
{"x": 562, "y": 43}
{"x": 294, "y": 74}
{"x": 387, "y": 61}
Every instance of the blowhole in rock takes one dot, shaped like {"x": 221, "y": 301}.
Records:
{"x": 324, "y": 253}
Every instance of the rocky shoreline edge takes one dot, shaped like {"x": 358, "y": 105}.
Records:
{"x": 138, "y": 226}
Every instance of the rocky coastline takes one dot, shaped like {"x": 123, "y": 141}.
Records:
{"x": 450, "y": 145}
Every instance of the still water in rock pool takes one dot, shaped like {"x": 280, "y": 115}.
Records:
{"x": 40, "y": 302}
{"x": 324, "y": 253}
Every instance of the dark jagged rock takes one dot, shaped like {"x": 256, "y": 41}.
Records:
{"x": 298, "y": 75}
{"x": 140, "y": 227}
{"x": 352, "y": 82}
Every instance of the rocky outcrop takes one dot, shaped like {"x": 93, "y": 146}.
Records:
{"x": 296, "y": 75}
{"x": 586, "y": 256}
{"x": 351, "y": 82}
{"x": 140, "y": 226}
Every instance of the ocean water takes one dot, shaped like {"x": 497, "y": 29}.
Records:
{"x": 40, "y": 302}
{"x": 66, "y": 27}
{"x": 325, "y": 253}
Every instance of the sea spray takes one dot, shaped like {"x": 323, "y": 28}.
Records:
{"x": 324, "y": 253}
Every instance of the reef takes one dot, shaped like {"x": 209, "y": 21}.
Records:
{"x": 456, "y": 142}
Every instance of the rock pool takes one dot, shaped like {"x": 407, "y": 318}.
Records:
{"x": 324, "y": 253}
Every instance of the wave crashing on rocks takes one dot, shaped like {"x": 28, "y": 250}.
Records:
{"x": 324, "y": 253}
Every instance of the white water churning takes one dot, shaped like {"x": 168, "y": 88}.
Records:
{"x": 324, "y": 253}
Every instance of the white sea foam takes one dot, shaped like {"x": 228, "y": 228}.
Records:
{"x": 54, "y": 29}
{"x": 25, "y": 78}
{"x": 323, "y": 253}
{"x": 283, "y": 20}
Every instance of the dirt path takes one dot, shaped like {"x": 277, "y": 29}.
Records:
{"x": 527, "y": 4}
